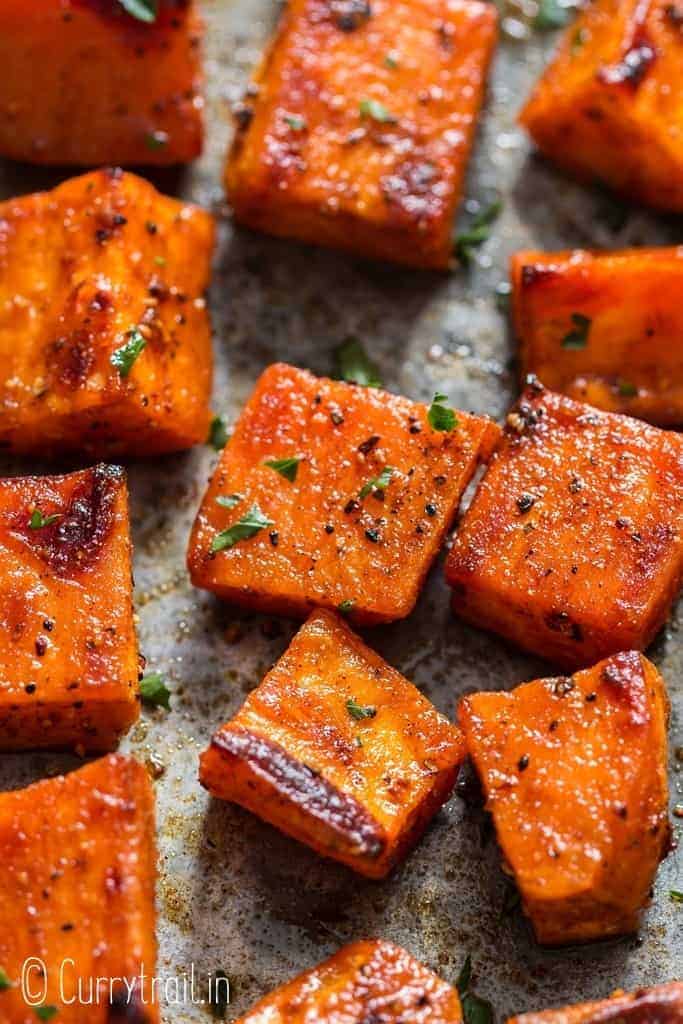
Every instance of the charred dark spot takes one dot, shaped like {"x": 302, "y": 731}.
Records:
{"x": 366, "y": 447}
{"x": 128, "y": 1007}
{"x": 351, "y": 506}
{"x": 274, "y": 538}
{"x": 372, "y": 535}
{"x": 329, "y": 528}
{"x": 633, "y": 67}
{"x": 349, "y": 15}
{"x": 74, "y": 358}
{"x": 525, "y": 502}
{"x": 623, "y": 677}
{"x": 41, "y": 646}
{"x": 534, "y": 273}
{"x": 563, "y": 685}
{"x": 243, "y": 114}
{"x": 431, "y": 509}
{"x": 674, "y": 15}
{"x": 523, "y": 763}
{"x": 560, "y": 622}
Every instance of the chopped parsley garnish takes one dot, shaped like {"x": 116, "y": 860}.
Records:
{"x": 123, "y": 358}
{"x": 218, "y": 433}
{"x": 45, "y": 1012}
{"x": 143, "y": 10}
{"x": 5, "y": 983}
{"x": 160, "y": 261}
{"x": 440, "y": 416}
{"x": 391, "y": 60}
{"x": 295, "y": 122}
{"x": 478, "y": 231}
{"x": 251, "y": 523}
{"x": 353, "y": 364}
{"x": 474, "y": 1009}
{"x": 38, "y": 520}
{"x": 378, "y": 484}
{"x": 288, "y": 468}
{"x": 344, "y": 607}
{"x": 156, "y": 140}
{"x": 153, "y": 690}
{"x": 626, "y": 388}
{"x": 577, "y": 338}
{"x": 229, "y": 500}
{"x": 676, "y": 895}
{"x": 377, "y": 111}
{"x": 219, "y": 994}
{"x": 360, "y": 711}
{"x": 578, "y": 39}
{"x": 551, "y": 15}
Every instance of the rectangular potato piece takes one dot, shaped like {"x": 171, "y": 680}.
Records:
{"x": 337, "y": 749}
{"x": 626, "y": 355}
{"x": 583, "y": 835}
{"x": 68, "y": 652}
{"x": 77, "y": 892}
{"x": 80, "y": 268}
{"x": 572, "y": 546}
{"x": 327, "y": 546}
{"x": 357, "y": 129}
{"x": 366, "y": 981}
{"x": 85, "y": 83}
{"x": 609, "y": 107}
{"x": 661, "y": 1004}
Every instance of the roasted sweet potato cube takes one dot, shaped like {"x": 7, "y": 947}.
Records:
{"x": 357, "y": 129}
{"x": 77, "y": 892}
{"x": 355, "y": 514}
{"x": 574, "y": 772}
{"x": 610, "y": 105}
{"x": 604, "y": 327}
{"x": 337, "y": 749}
{"x": 84, "y": 82}
{"x": 105, "y": 345}
{"x": 365, "y": 981}
{"x": 572, "y": 546}
{"x": 662, "y": 1004}
{"x": 68, "y": 653}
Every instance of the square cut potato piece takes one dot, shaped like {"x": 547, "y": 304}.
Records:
{"x": 366, "y": 981}
{"x": 357, "y": 128}
{"x": 85, "y": 83}
{"x": 609, "y": 107}
{"x": 77, "y": 892}
{"x": 90, "y": 273}
{"x": 604, "y": 327}
{"x": 68, "y": 653}
{"x": 661, "y": 1004}
{"x": 338, "y": 750}
{"x": 575, "y": 775}
{"x": 330, "y": 537}
{"x": 572, "y": 545}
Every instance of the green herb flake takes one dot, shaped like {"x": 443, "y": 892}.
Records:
{"x": 474, "y": 1009}
{"x": 251, "y": 523}
{"x": 360, "y": 711}
{"x": 160, "y": 261}
{"x": 295, "y": 122}
{"x": 440, "y": 416}
{"x": 219, "y": 994}
{"x": 391, "y": 60}
{"x": 378, "y": 484}
{"x": 156, "y": 140}
{"x": 551, "y": 15}
{"x": 288, "y": 468}
{"x": 578, "y": 39}
{"x": 353, "y": 365}
{"x": 478, "y": 232}
{"x": 124, "y": 358}
{"x": 46, "y": 1012}
{"x": 218, "y": 433}
{"x": 626, "y": 388}
{"x": 577, "y": 338}
{"x": 344, "y": 607}
{"x": 676, "y": 895}
{"x": 229, "y": 500}
{"x": 143, "y": 10}
{"x": 5, "y": 983}
{"x": 38, "y": 520}
{"x": 153, "y": 690}
{"x": 376, "y": 111}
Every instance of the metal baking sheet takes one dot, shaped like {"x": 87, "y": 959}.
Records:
{"x": 234, "y": 894}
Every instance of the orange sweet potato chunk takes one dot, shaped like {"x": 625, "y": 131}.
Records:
{"x": 610, "y": 105}
{"x": 85, "y": 83}
{"x": 357, "y": 128}
{"x": 366, "y": 981}
{"x": 77, "y": 892}
{"x": 68, "y": 653}
{"x": 572, "y": 546}
{"x": 604, "y": 327}
{"x": 86, "y": 270}
{"x": 661, "y": 1004}
{"x": 574, "y": 772}
{"x": 324, "y": 544}
{"x": 337, "y": 749}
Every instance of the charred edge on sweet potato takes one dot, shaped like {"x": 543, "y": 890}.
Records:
{"x": 636, "y": 63}
{"x": 304, "y": 786}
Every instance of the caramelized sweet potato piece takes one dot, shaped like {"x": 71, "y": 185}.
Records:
{"x": 88, "y": 273}
{"x": 68, "y": 654}
{"x": 604, "y": 327}
{"x": 337, "y": 749}
{"x": 572, "y": 547}
{"x": 77, "y": 891}
{"x": 365, "y": 981}
{"x": 662, "y": 1004}
{"x": 610, "y": 105}
{"x": 574, "y": 771}
{"x": 358, "y": 127}
{"x": 85, "y": 83}
{"x": 361, "y": 512}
